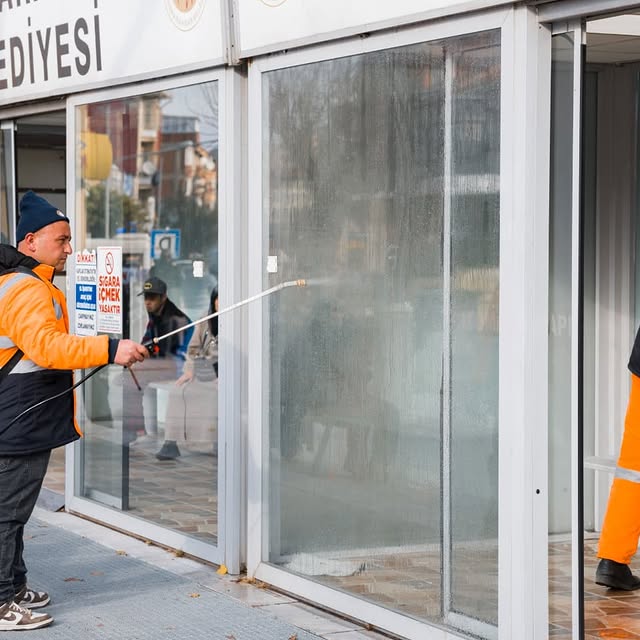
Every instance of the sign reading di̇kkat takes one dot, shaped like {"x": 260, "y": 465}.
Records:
{"x": 86, "y": 315}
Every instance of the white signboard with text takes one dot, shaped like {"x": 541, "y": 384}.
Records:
{"x": 55, "y": 46}
{"x": 267, "y": 25}
{"x": 86, "y": 274}
{"x": 110, "y": 289}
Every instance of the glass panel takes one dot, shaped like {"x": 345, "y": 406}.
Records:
{"x": 560, "y": 279}
{"x": 475, "y": 235}
{"x": 369, "y": 161}
{"x": 148, "y": 183}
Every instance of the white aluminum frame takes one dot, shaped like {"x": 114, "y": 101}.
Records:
{"x": 525, "y": 88}
{"x": 13, "y": 112}
{"x": 524, "y": 344}
{"x": 577, "y": 561}
{"x": 577, "y": 29}
{"x": 231, "y": 232}
{"x": 9, "y": 126}
{"x": 572, "y": 9}
{"x": 227, "y": 549}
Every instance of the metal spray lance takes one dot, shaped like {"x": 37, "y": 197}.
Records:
{"x": 151, "y": 344}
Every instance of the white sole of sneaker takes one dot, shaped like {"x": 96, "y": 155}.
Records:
{"x": 35, "y": 605}
{"x": 26, "y": 627}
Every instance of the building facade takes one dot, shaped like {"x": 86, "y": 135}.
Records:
{"x": 423, "y": 436}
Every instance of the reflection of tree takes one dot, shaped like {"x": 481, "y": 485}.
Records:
{"x": 207, "y": 113}
{"x": 198, "y": 224}
{"x": 124, "y": 212}
{"x": 356, "y": 154}
{"x": 356, "y": 163}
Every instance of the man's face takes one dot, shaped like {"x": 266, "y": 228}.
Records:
{"x": 50, "y": 245}
{"x": 153, "y": 302}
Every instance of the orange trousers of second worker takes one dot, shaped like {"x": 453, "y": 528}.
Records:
{"x": 621, "y": 527}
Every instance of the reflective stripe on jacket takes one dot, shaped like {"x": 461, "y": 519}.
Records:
{"x": 33, "y": 317}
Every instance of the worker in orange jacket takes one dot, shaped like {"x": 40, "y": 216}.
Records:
{"x": 621, "y": 528}
{"x": 34, "y": 321}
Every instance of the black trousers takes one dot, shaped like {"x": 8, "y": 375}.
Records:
{"x": 21, "y": 478}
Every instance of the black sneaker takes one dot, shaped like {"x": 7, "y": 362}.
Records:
{"x": 169, "y": 451}
{"x": 13, "y": 617}
{"x": 30, "y": 599}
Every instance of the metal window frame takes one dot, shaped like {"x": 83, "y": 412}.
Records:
{"x": 8, "y": 127}
{"x": 228, "y": 548}
{"x": 523, "y": 336}
{"x": 575, "y": 9}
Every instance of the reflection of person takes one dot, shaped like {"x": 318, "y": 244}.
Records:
{"x": 33, "y": 319}
{"x": 621, "y": 527}
{"x": 168, "y": 355}
{"x": 192, "y": 409}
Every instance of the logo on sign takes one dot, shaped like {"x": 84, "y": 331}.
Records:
{"x": 273, "y": 3}
{"x": 185, "y": 14}
{"x": 108, "y": 263}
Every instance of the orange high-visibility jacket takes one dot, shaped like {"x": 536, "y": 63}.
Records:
{"x": 621, "y": 526}
{"x": 33, "y": 317}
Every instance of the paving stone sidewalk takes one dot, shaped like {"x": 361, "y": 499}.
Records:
{"x": 101, "y": 593}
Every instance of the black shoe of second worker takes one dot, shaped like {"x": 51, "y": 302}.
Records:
{"x": 169, "y": 451}
{"x": 616, "y": 575}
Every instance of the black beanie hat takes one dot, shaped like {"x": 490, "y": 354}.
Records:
{"x": 35, "y": 213}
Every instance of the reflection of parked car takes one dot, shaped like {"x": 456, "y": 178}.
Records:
{"x": 196, "y": 283}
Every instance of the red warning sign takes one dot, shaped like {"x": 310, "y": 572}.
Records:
{"x": 110, "y": 289}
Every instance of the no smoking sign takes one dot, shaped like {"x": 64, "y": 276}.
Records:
{"x": 110, "y": 289}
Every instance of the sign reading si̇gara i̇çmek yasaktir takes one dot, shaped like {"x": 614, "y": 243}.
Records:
{"x": 109, "y": 289}
{"x": 49, "y": 47}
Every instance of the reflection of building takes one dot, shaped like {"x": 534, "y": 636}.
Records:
{"x": 188, "y": 169}
{"x": 133, "y": 128}
{"x": 155, "y": 156}
{"x": 145, "y": 166}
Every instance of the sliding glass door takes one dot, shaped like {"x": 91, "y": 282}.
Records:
{"x": 381, "y": 185}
